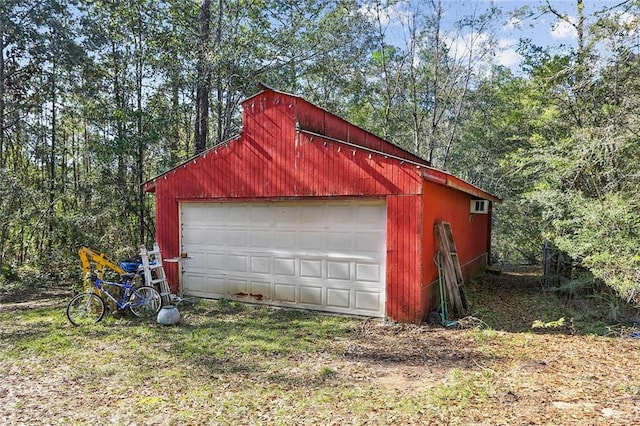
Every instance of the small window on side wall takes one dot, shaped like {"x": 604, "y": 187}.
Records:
{"x": 479, "y": 206}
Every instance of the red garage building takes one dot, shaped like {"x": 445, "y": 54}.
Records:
{"x": 306, "y": 210}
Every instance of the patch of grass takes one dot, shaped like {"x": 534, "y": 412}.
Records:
{"x": 231, "y": 363}
{"x": 18, "y": 284}
{"x": 149, "y": 403}
{"x": 326, "y": 372}
{"x": 597, "y": 328}
{"x": 486, "y": 339}
{"x": 463, "y": 389}
{"x": 631, "y": 389}
{"x": 516, "y": 303}
{"x": 251, "y": 330}
{"x": 560, "y": 322}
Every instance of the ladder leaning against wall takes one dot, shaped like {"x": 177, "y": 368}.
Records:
{"x": 154, "y": 272}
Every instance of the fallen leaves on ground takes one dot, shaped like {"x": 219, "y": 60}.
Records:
{"x": 379, "y": 373}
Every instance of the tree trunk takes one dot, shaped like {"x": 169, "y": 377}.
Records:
{"x": 436, "y": 81}
{"x": 52, "y": 161}
{"x": 219, "y": 112}
{"x": 580, "y": 30}
{"x": 204, "y": 78}
{"x": 75, "y": 154}
{"x": 174, "y": 135}
{"x": 139, "y": 130}
{"x": 86, "y": 163}
{"x": 2, "y": 93}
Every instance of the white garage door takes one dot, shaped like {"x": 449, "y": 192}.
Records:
{"x": 325, "y": 255}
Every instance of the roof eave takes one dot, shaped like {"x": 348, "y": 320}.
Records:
{"x": 447, "y": 179}
{"x": 150, "y": 185}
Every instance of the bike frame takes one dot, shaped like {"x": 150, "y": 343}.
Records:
{"x": 128, "y": 290}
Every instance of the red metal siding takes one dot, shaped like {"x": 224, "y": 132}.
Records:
{"x": 404, "y": 252}
{"x": 167, "y": 235}
{"x": 327, "y": 168}
{"x": 273, "y": 160}
{"x": 310, "y": 117}
{"x": 470, "y": 231}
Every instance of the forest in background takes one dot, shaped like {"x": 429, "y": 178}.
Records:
{"x": 98, "y": 96}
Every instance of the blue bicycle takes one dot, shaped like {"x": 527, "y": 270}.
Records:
{"x": 89, "y": 308}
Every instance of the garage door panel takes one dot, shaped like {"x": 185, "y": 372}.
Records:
{"x": 196, "y": 236}
{"x": 367, "y": 301}
{"x": 322, "y": 255}
{"x": 341, "y": 215}
{"x": 218, "y": 284}
{"x": 338, "y": 298}
{"x": 368, "y": 272}
{"x": 310, "y": 214}
{"x": 367, "y": 242}
{"x": 310, "y": 240}
{"x": 216, "y": 261}
{"x": 192, "y": 216}
{"x": 284, "y": 292}
{"x": 261, "y": 238}
{"x": 234, "y": 215}
{"x": 260, "y": 264}
{"x": 199, "y": 282}
{"x": 216, "y": 237}
{"x": 369, "y": 216}
{"x": 237, "y": 263}
{"x": 237, "y": 286}
{"x": 284, "y": 240}
{"x": 260, "y": 289}
{"x": 340, "y": 241}
{"x": 260, "y": 215}
{"x": 198, "y": 260}
{"x": 311, "y": 268}
{"x": 238, "y": 237}
{"x": 284, "y": 266}
{"x": 286, "y": 215}
{"x": 339, "y": 270}
{"x": 311, "y": 295}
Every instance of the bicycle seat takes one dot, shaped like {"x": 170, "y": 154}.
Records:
{"x": 128, "y": 276}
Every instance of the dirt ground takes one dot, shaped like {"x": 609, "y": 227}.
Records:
{"x": 535, "y": 379}
{"x": 540, "y": 376}
{"x": 473, "y": 374}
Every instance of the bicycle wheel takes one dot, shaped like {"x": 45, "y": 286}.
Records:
{"x": 145, "y": 301}
{"x": 85, "y": 309}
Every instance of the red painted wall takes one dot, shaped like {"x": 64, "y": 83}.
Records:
{"x": 470, "y": 232}
{"x": 310, "y": 117}
{"x": 404, "y": 255}
{"x": 272, "y": 160}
